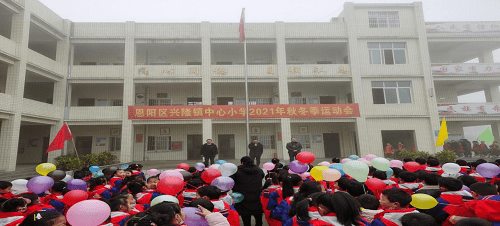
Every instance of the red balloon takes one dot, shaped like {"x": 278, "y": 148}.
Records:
{"x": 306, "y": 157}
{"x": 75, "y": 196}
{"x": 183, "y": 166}
{"x": 170, "y": 186}
{"x": 209, "y": 175}
{"x": 375, "y": 184}
{"x": 412, "y": 166}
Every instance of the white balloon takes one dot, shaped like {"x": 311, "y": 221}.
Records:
{"x": 67, "y": 178}
{"x": 451, "y": 168}
{"x": 19, "y": 186}
{"x": 228, "y": 169}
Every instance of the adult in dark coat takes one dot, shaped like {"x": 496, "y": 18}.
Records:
{"x": 209, "y": 151}
{"x": 293, "y": 148}
{"x": 256, "y": 149}
{"x": 248, "y": 182}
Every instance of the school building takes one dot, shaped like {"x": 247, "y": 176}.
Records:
{"x": 376, "y": 74}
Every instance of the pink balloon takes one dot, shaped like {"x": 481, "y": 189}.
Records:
{"x": 366, "y": 162}
{"x": 345, "y": 160}
{"x": 361, "y": 159}
{"x": 179, "y": 170}
{"x": 171, "y": 173}
{"x": 396, "y": 163}
{"x": 331, "y": 175}
{"x": 327, "y": 164}
{"x": 291, "y": 172}
{"x": 369, "y": 157}
{"x": 268, "y": 166}
{"x": 152, "y": 172}
{"x": 88, "y": 213}
{"x": 214, "y": 166}
{"x": 305, "y": 175}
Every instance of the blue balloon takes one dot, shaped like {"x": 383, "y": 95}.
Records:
{"x": 237, "y": 197}
{"x": 220, "y": 162}
{"x": 124, "y": 167}
{"x": 98, "y": 174}
{"x": 389, "y": 172}
{"x": 94, "y": 169}
{"x": 353, "y": 157}
{"x": 338, "y": 167}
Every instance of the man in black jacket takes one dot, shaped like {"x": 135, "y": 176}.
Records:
{"x": 256, "y": 149}
{"x": 209, "y": 151}
{"x": 293, "y": 148}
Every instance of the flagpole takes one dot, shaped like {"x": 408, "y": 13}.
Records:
{"x": 74, "y": 145}
{"x": 246, "y": 86}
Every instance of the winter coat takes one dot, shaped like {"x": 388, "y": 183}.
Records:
{"x": 248, "y": 182}
{"x": 432, "y": 190}
{"x": 256, "y": 148}
{"x": 208, "y": 150}
{"x": 293, "y": 146}
{"x": 216, "y": 219}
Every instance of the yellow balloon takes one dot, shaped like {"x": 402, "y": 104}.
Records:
{"x": 317, "y": 172}
{"x": 45, "y": 168}
{"x": 423, "y": 201}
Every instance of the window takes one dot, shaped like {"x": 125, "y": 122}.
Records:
{"x": 391, "y": 92}
{"x": 115, "y": 143}
{"x": 160, "y": 102}
{"x": 162, "y": 95}
{"x": 303, "y": 140}
{"x": 267, "y": 141}
{"x": 194, "y": 101}
{"x": 159, "y": 143}
{"x": 254, "y": 101}
{"x": 116, "y": 102}
{"x": 383, "y": 19}
{"x": 387, "y": 52}
{"x": 303, "y": 100}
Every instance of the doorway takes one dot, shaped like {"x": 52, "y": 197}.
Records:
{"x": 194, "y": 143}
{"x": 46, "y": 144}
{"x": 83, "y": 145}
{"x": 393, "y": 137}
{"x": 226, "y": 146}
{"x": 225, "y": 101}
{"x": 331, "y": 142}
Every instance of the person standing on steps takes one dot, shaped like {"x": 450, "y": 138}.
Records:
{"x": 209, "y": 151}
{"x": 256, "y": 150}
{"x": 293, "y": 148}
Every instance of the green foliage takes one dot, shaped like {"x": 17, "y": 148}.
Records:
{"x": 446, "y": 156}
{"x": 443, "y": 156}
{"x": 71, "y": 162}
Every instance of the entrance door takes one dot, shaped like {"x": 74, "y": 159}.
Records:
{"x": 194, "y": 143}
{"x": 332, "y": 144}
{"x": 226, "y": 146}
{"x": 46, "y": 144}
{"x": 84, "y": 145}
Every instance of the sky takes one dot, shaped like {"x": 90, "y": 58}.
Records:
{"x": 195, "y": 11}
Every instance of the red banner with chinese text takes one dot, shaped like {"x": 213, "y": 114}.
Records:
{"x": 238, "y": 111}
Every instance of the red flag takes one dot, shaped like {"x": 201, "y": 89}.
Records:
{"x": 64, "y": 134}
{"x": 242, "y": 26}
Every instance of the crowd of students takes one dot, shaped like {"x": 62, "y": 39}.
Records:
{"x": 286, "y": 199}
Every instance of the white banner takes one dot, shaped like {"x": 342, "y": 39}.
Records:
{"x": 466, "y": 69}
{"x": 473, "y": 27}
{"x": 469, "y": 109}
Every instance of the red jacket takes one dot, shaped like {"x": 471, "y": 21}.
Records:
{"x": 391, "y": 217}
{"x": 11, "y": 218}
{"x": 486, "y": 207}
{"x": 7, "y": 195}
{"x": 39, "y": 207}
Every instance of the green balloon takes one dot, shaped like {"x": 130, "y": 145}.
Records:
{"x": 163, "y": 198}
{"x": 381, "y": 164}
{"x": 357, "y": 170}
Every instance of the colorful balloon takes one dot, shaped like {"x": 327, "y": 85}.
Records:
{"x": 345, "y": 160}
{"x": 186, "y": 175}
{"x": 369, "y": 157}
{"x": 214, "y": 167}
{"x": 94, "y": 169}
{"x": 317, "y": 172}
{"x": 192, "y": 218}
{"x": 353, "y": 157}
{"x": 268, "y": 166}
{"x": 412, "y": 166}
{"x": 451, "y": 168}
{"x": 423, "y": 201}
{"x": 183, "y": 166}
{"x": 227, "y": 169}
{"x": 209, "y": 175}
{"x": 396, "y": 163}
{"x": 380, "y": 163}
{"x": 67, "y": 178}
{"x": 45, "y": 168}
{"x": 389, "y": 172}
{"x": 170, "y": 185}
{"x": 220, "y": 162}
{"x": 75, "y": 196}
{"x": 297, "y": 167}
{"x": 57, "y": 175}
{"x": 305, "y": 157}
{"x": 88, "y": 213}
{"x": 153, "y": 172}
{"x": 123, "y": 167}
{"x": 164, "y": 198}
{"x": 331, "y": 175}
{"x": 305, "y": 175}
{"x": 77, "y": 184}
{"x": 368, "y": 163}
{"x": 19, "y": 186}
{"x": 488, "y": 170}
{"x": 99, "y": 175}
{"x": 375, "y": 184}
{"x": 324, "y": 163}
{"x": 338, "y": 167}
{"x": 356, "y": 169}
{"x": 40, "y": 184}
{"x": 237, "y": 197}
{"x": 199, "y": 166}
{"x": 224, "y": 183}
{"x": 171, "y": 173}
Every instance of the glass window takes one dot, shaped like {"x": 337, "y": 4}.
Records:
{"x": 267, "y": 141}
{"x": 387, "y": 52}
{"x": 304, "y": 140}
{"x": 399, "y": 56}
{"x": 388, "y": 58}
{"x": 390, "y": 84}
{"x": 377, "y": 84}
{"x": 378, "y": 96}
{"x": 115, "y": 143}
{"x": 375, "y": 57}
{"x": 383, "y": 19}
{"x": 404, "y": 84}
{"x": 159, "y": 143}
{"x": 391, "y": 96}
{"x": 404, "y": 95}
{"x": 391, "y": 92}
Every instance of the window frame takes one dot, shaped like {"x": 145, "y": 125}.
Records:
{"x": 379, "y": 16}
{"x": 115, "y": 143}
{"x": 382, "y": 52}
{"x": 156, "y": 146}
{"x": 397, "y": 87}
{"x": 268, "y": 141}
{"x": 306, "y": 143}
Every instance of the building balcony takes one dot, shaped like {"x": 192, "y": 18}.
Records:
{"x": 318, "y": 70}
{"x": 238, "y": 71}
{"x": 45, "y": 63}
{"x": 167, "y": 71}
{"x": 5, "y": 102}
{"x": 466, "y": 69}
{"x": 461, "y": 28}
{"x": 39, "y": 109}
{"x": 97, "y": 72}
{"x": 457, "y": 112}
{"x": 98, "y": 113}
{"x": 8, "y": 46}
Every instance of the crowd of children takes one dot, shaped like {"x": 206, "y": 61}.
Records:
{"x": 287, "y": 199}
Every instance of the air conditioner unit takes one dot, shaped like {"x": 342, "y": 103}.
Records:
{"x": 139, "y": 98}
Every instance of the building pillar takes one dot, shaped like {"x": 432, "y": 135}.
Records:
{"x": 495, "y": 128}
{"x": 492, "y": 94}
{"x": 486, "y": 56}
{"x": 285, "y": 128}
{"x": 127, "y": 144}
{"x": 206, "y": 79}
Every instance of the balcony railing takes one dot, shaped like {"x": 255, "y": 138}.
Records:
{"x": 238, "y": 71}
{"x": 318, "y": 70}
{"x": 45, "y": 62}
{"x": 469, "y": 109}
{"x": 42, "y": 110}
{"x": 8, "y": 46}
{"x": 109, "y": 113}
{"x": 5, "y": 102}
{"x": 167, "y": 71}
{"x": 466, "y": 69}
{"x": 97, "y": 71}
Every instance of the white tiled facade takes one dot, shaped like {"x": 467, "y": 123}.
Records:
{"x": 87, "y": 74}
